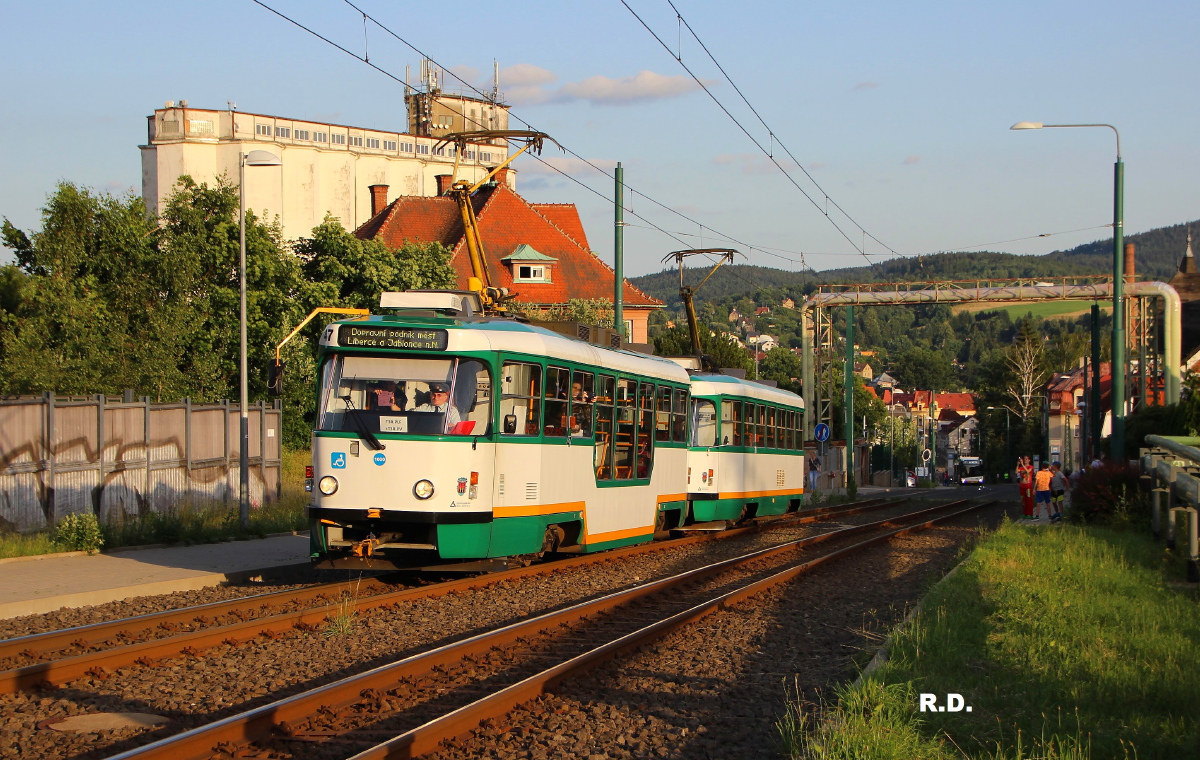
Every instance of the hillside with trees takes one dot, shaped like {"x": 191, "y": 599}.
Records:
{"x": 1158, "y": 254}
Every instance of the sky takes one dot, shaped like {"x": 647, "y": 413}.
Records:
{"x": 899, "y": 111}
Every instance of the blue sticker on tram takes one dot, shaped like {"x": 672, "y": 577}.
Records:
{"x": 337, "y": 460}
{"x": 380, "y": 458}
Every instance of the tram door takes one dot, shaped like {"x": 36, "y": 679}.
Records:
{"x": 703, "y": 460}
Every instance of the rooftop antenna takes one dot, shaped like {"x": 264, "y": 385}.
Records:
{"x": 231, "y": 104}
{"x": 495, "y": 81}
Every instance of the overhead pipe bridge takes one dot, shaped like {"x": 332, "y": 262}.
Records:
{"x": 979, "y": 291}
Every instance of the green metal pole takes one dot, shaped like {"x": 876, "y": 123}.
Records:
{"x": 619, "y": 255}
{"x": 1095, "y": 410}
{"x": 848, "y": 382}
{"x": 1118, "y": 330}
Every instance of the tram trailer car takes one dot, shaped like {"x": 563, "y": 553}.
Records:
{"x": 444, "y": 437}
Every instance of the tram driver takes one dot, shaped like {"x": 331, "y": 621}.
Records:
{"x": 439, "y": 401}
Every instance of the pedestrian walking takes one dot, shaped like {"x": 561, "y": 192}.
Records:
{"x": 1042, "y": 491}
{"x": 1025, "y": 483}
{"x": 1058, "y": 492}
{"x": 814, "y": 472}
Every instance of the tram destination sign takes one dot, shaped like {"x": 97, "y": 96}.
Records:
{"x": 359, "y": 336}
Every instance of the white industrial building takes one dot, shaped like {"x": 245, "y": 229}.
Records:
{"x": 325, "y": 167}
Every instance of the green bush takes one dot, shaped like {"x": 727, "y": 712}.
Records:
{"x": 79, "y": 533}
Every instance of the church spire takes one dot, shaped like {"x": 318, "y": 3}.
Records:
{"x": 1188, "y": 265}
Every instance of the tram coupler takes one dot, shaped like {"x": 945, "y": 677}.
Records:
{"x": 366, "y": 547}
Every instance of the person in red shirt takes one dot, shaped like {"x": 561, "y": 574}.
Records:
{"x": 1025, "y": 483}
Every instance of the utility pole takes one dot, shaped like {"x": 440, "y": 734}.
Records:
{"x": 619, "y": 253}
{"x": 1097, "y": 412}
{"x": 848, "y": 383}
{"x": 1118, "y": 329}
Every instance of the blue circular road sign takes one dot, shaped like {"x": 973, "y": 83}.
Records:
{"x": 821, "y": 431}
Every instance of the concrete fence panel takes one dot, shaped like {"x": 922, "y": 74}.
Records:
{"x": 119, "y": 458}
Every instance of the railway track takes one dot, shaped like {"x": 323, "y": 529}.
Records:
{"x": 145, "y": 639}
{"x": 409, "y": 707}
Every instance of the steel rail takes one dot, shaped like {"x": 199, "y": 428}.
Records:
{"x": 427, "y": 738}
{"x": 93, "y": 634}
{"x": 259, "y": 723}
{"x": 63, "y": 670}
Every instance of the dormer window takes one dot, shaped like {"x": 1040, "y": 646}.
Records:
{"x": 529, "y": 273}
{"x": 528, "y": 265}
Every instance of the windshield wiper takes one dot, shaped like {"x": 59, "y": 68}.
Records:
{"x": 374, "y": 443}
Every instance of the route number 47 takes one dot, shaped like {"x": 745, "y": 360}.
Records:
{"x": 954, "y": 703}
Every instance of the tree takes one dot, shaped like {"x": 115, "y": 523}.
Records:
{"x": 781, "y": 365}
{"x": 1025, "y": 365}
{"x": 920, "y": 368}
{"x": 343, "y": 270}
{"x": 676, "y": 341}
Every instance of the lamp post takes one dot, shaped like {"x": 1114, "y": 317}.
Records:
{"x": 1118, "y": 329}
{"x": 253, "y": 158}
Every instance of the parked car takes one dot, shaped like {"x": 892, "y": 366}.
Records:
{"x": 910, "y": 479}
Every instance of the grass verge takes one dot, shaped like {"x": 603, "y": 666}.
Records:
{"x": 1068, "y": 643}
{"x": 189, "y": 523}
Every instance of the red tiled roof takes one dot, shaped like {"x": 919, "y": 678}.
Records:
{"x": 962, "y": 402}
{"x": 506, "y": 221}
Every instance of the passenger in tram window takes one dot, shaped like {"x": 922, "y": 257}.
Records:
{"x": 383, "y": 394}
{"x": 439, "y": 401}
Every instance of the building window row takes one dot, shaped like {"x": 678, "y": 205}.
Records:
{"x": 373, "y": 143}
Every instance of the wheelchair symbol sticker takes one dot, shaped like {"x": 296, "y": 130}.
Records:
{"x": 379, "y": 459}
{"x": 337, "y": 460}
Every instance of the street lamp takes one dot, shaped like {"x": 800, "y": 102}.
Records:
{"x": 253, "y": 158}
{"x": 1118, "y": 330}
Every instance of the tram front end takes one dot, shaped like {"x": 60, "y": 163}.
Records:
{"x": 402, "y": 461}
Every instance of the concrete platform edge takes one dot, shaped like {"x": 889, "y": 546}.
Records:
{"x": 119, "y": 593}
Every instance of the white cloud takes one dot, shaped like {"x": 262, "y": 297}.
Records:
{"x": 526, "y": 84}
{"x": 567, "y": 164}
{"x": 910, "y": 160}
{"x": 464, "y": 73}
{"x": 522, "y": 74}
{"x": 865, "y": 86}
{"x": 643, "y": 86}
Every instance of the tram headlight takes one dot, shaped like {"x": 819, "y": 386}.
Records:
{"x": 328, "y": 485}
{"x": 423, "y": 489}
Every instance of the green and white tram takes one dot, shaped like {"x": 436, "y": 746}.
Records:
{"x": 746, "y": 456}
{"x": 446, "y": 436}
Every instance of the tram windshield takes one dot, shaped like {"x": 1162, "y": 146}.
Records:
{"x": 406, "y": 395}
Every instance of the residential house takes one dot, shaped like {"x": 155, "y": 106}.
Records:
{"x": 539, "y": 251}
{"x": 788, "y": 302}
{"x": 761, "y": 310}
{"x": 734, "y": 315}
{"x": 864, "y": 370}
{"x": 1063, "y": 413}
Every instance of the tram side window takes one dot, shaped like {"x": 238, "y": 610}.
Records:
{"x": 760, "y": 426}
{"x": 679, "y": 405}
{"x": 521, "y": 402}
{"x": 558, "y": 387}
{"x": 583, "y": 397}
{"x": 645, "y": 440}
{"x": 738, "y": 424}
{"x": 605, "y": 438}
{"x": 626, "y": 437}
{"x": 770, "y": 427}
{"x": 799, "y": 431}
{"x": 796, "y": 434}
{"x": 789, "y": 422}
{"x": 662, "y": 415}
{"x": 748, "y": 436}
{"x": 727, "y": 434}
{"x": 704, "y": 423}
